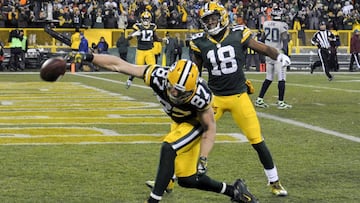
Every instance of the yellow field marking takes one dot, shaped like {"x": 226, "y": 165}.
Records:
{"x": 65, "y": 138}
{"x": 83, "y": 113}
{"x": 72, "y": 107}
{"x": 82, "y": 120}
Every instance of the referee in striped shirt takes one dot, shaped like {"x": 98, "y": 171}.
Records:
{"x": 322, "y": 39}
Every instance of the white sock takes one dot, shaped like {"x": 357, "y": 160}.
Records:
{"x": 272, "y": 174}
{"x": 223, "y": 188}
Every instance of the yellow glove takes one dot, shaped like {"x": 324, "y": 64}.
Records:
{"x": 250, "y": 87}
{"x": 78, "y": 57}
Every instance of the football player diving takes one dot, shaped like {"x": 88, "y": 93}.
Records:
{"x": 221, "y": 49}
{"x": 145, "y": 33}
{"x": 186, "y": 98}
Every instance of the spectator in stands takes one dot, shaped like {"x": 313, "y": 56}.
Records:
{"x": 131, "y": 19}
{"x": 3, "y": 19}
{"x": 299, "y": 25}
{"x": 348, "y": 22}
{"x": 77, "y": 19}
{"x": 98, "y": 19}
{"x": 314, "y": 16}
{"x": 110, "y": 20}
{"x": 65, "y": 19}
{"x": 110, "y": 4}
{"x": 354, "y": 50}
{"x": 23, "y": 18}
{"x": 102, "y": 46}
{"x": 348, "y": 7}
{"x": 183, "y": 13}
{"x": 122, "y": 20}
{"x": 1, "y": 56}
{"x": 122, "y": 44}
{"x": 174, "y": 20}
{"x": 161, "y": 16}
{"x": 42, "y": 14}
{"x": 13, "y": 17}
{"x": 86, "y": 17}
{"x": 192, "y": 20}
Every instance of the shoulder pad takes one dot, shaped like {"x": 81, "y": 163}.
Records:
{"x": 136, "y": 26}
{"x": 153, "y": 26}
{"x": 197, "y": 35}
{"x": 238, "y": 27}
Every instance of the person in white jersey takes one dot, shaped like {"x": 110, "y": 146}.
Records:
{"x": 276, "y": 35}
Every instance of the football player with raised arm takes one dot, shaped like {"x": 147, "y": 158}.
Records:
{"x": 186, "y": 99}
{"x": 276, "y": 35}
{"x": 221, "y": 50}
{"x": 145, "y": 32}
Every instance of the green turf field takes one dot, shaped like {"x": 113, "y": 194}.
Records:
{"x": 87, "y": 139}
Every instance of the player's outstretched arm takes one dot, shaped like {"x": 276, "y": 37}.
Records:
{"x": 263, "y": 49}
{"x": 269, "y": 51}
{"x": 115, "y": 63}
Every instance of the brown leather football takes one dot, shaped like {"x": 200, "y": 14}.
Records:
{"x": 53, "y": 69}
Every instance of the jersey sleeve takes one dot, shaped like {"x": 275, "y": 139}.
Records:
{"x": 203, "y": 98}
{"x": 147, "y": 74}
{"x": 136, "y": 27}
{"x": 193, "y": 47}
{"x": 247, "y": 34}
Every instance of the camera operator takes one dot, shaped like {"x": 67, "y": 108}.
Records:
{"x": 15, "y": 40}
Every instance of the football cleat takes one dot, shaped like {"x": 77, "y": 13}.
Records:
{"x": 169, "y": 188}
{"x": 128, "y": 84}
{"x": 277, "y": 189}
{"x": 242, "y": 194}
{"x": 283, "y": 105}
{"x": 260, "y": 103}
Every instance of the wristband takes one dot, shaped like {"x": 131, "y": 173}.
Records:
{"x": 88, "y": 57}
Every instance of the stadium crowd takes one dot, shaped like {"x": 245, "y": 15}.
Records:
{"x": 175, "y": 14}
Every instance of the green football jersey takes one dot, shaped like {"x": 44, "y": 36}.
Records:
{"x": 224, "y": 60}
{"x": 146, "y": 38}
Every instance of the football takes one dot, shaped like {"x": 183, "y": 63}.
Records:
{"x": 53, "y": 69}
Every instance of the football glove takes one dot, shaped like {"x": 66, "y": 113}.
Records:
{"x": 78, "y": 57}
{"x": 283, "y": 59}
{"x": 250, "y": 87}
{"x": 202, "y": 166}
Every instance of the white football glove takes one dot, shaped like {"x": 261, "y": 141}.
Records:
{"x": 202, "y": 166}
{"x": 283, "y": 59}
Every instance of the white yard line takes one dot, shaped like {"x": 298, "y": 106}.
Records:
{"x": 263, "y": 115}
{"x": 284, "y": 120}
{"x": 311, "y": 127}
